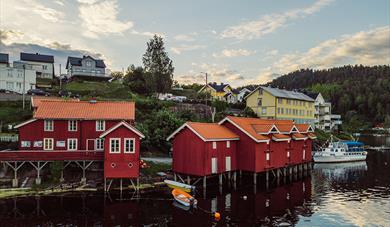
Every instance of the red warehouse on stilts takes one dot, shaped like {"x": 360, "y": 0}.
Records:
{"x": 202, "y": 149}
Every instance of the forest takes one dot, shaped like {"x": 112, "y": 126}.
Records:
{"x": 361, "y": 94}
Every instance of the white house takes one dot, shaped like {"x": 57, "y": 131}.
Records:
{"x": 11, "y": 78}
{"x": 42, "y": 64}
{"x": 243, "y": 92}
{"x": 324, "y": 119}
{"x": 86, "y": 67}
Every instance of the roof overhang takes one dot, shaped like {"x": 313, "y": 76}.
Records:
{"x": 196, "y": 133}
{"x": 295, "y": 137}
{"x": 25, "y": 123}
{"x": 122, "y": 123}
{"x": 242, "y": 130}
{"x": 280, "y": 139}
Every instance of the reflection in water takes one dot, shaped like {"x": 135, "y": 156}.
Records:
{"x": 282, "y": 204}
{"x": 345, "y": 194}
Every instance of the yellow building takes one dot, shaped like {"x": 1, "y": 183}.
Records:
{"x": 222, "y": 92}
{"x": 274, "y": 103}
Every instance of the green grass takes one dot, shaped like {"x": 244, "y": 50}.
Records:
{"x": 154, "y": 168}
{"x": 100, "y": 90}
{"x": 11, "y": 112}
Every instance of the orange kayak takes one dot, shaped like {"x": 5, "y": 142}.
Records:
{"x": 183, "y": 197}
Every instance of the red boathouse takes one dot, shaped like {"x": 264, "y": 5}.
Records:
{"x": 203, "y": 149}
{"x": 82, "y": 132}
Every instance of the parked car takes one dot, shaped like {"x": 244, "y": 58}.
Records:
{"x": 37, "y": 92}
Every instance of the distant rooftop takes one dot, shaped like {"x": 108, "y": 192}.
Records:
{"x": 287, "y": 94}
{"x": 36, "y": 57}
{"x": 75, "y": 61}
{"x": 218, "y": 87}
{"x": 4, "y": 58}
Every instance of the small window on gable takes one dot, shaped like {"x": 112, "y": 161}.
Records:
{"x": 228, "y": 144}
{"x": 259, "y": 102}
{"x": 115, "y": 146}
{"x": 260, "y": 91}
{"x": 129, "y": 145}
{"x": 214, "y": 145}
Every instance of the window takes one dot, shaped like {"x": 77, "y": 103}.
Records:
{"x": 100, "y": 125}
{"x": 99, "y": 144}
{"x": 259, "y": 102}
{"x": 10, "y": 85}
{"x": 227, "y": 144}
{"x": 288, "y": 101}
{"x": 282, "y": 110}
{"x": 115, "y": 145}
{"x": 25, "y": 144}
{"x": 44, "y": 67}
{"x": 48, "y": 144}
{"x": 263, "y": 110}
{"x": 280, "y": 101}
{"x": 18, "y": 85}
{"x": 49, "y": 125}
{"x": 72, "y": 125}
{"x": 89, "y": 63}
{"x": 214, "y": 145}
{"x": 72, "y": 144}
{"x": 278, "y": 110}
{"x": 260, "y": 91}
{"x": 129, "y": 145}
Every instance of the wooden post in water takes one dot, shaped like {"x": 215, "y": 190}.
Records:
{"x": 254, "y": 178}
{"x": 204, "y": 182}
{"x": 188, "y": 180}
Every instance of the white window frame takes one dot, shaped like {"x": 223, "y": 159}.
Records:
{"x": 127, "y": 149}
{"x": 25, "y": 143}
{"x": 267, "y": 156}
{"x": 98, "y": 129}
{"x": 44, "y": 144}
{"x": 46, "y": 126}
{"x": 214, "y": 145}
{"x": 96, "y": 144}
{"x": 119, "y": 145}
{"x": 70, "y": 125}
{"x": 228, "y": 144}
{"x": 75, "y": 144}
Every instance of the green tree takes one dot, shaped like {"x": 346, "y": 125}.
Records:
{"x": 158, "y": 66}
{"x": 116, "y": 75}
{"x": 135, "y": 80}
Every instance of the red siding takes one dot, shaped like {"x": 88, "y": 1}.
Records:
{"x": 192, "y": 156}
{"x": 297, "y": 151}
{"x": 86, "y": 129}
{"x": 279, "y": 153}
{"x": 121, "y": 165}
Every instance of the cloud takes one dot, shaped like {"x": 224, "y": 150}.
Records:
{"x": 182, "y": 48}
{"x": 100, "y": 18}
{"x": 186, "y": 37}
{"x": 273, "y": 52}
{"x": 59, "y": 2}
{"x": 87, "y": 1}
{"x": 270, "y": 23}
{"x": 45, "y": 12}
{"x": 230, "y": 53}
{"x": 366, "y": 47}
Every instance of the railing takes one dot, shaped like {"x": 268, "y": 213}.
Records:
{"x": 56, "y": 155}
{"x": 9, "y": 138}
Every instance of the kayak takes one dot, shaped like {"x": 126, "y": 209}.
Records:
{"x": 183, "y": 197}
{"x": 184, "y": 187}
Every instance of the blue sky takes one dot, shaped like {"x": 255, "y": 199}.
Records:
{"x": 237, "y": 42}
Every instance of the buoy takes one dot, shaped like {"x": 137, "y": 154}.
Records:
{"x": 244, "y": 197}
{"x": 217, "y": 215}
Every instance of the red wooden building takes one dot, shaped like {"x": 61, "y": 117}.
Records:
{"x": 81, "y": 131}
{"x": 202, "y": 149}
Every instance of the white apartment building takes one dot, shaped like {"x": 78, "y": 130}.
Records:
{"x": 11, "y": 79}
{"x": 42, "y": 64}
{"x": 324, "y": 119}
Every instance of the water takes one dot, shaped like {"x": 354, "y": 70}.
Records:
{"x": 350, "y": 194}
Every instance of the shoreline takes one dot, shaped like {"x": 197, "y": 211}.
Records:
{"x": 7, "y": 193}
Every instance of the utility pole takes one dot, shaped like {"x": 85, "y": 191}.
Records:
{"x": 206, "y": 92}
{"x": 24, "y": 84}
{"x": 60, "y": 78}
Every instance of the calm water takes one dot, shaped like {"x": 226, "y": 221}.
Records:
{"x": 355, "y": 194}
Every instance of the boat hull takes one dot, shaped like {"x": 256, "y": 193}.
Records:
{"x": 335, "y": 159}
{"x": 178, "y": 185}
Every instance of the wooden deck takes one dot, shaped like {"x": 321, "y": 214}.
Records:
{"x": 56, "y": 155}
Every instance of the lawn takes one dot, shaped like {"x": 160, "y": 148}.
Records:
{"x": 11, "y": 112}
{"x": 100, "y": 90}
{"x": 153, "y": 168}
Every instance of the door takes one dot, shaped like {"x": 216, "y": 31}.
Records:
{"x": 228, "y": 163}
{"x": 214, "y": 165}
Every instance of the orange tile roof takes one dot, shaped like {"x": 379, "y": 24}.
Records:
{"x": 36, "y": 100}
{"x": 262, "y": 128}
{"x": 286, "y": 128}
{"x": 246, "y": 124}
{"x": 302, "y": 127}
{"x": 210, "y": 131}
{"x": 101, "y": 110}
{"x": 280, "y": 136}
{"x": 312, "y": 135}
{"x": 299, "y": 136}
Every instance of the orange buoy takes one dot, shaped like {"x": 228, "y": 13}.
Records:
{"x": 217, "y": 215}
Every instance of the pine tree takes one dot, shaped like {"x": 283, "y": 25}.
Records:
{"x": 158, "y": 66}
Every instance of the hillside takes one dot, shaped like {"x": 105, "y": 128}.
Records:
{"x": 358, "y": 93}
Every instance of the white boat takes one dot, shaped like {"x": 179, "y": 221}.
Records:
{"x": 344, "y": 151}
{"x": 174, "y": 184}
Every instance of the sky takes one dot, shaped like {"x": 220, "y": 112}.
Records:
{"x": 238, "y": 42}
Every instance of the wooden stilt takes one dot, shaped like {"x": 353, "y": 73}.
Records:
{"x": 220, "y": 179}
{"x": 174, "y": 177}
{"x": 188, "y": 180}
{"x": 204, "y": 182}
{"x": 255, "y": 178}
